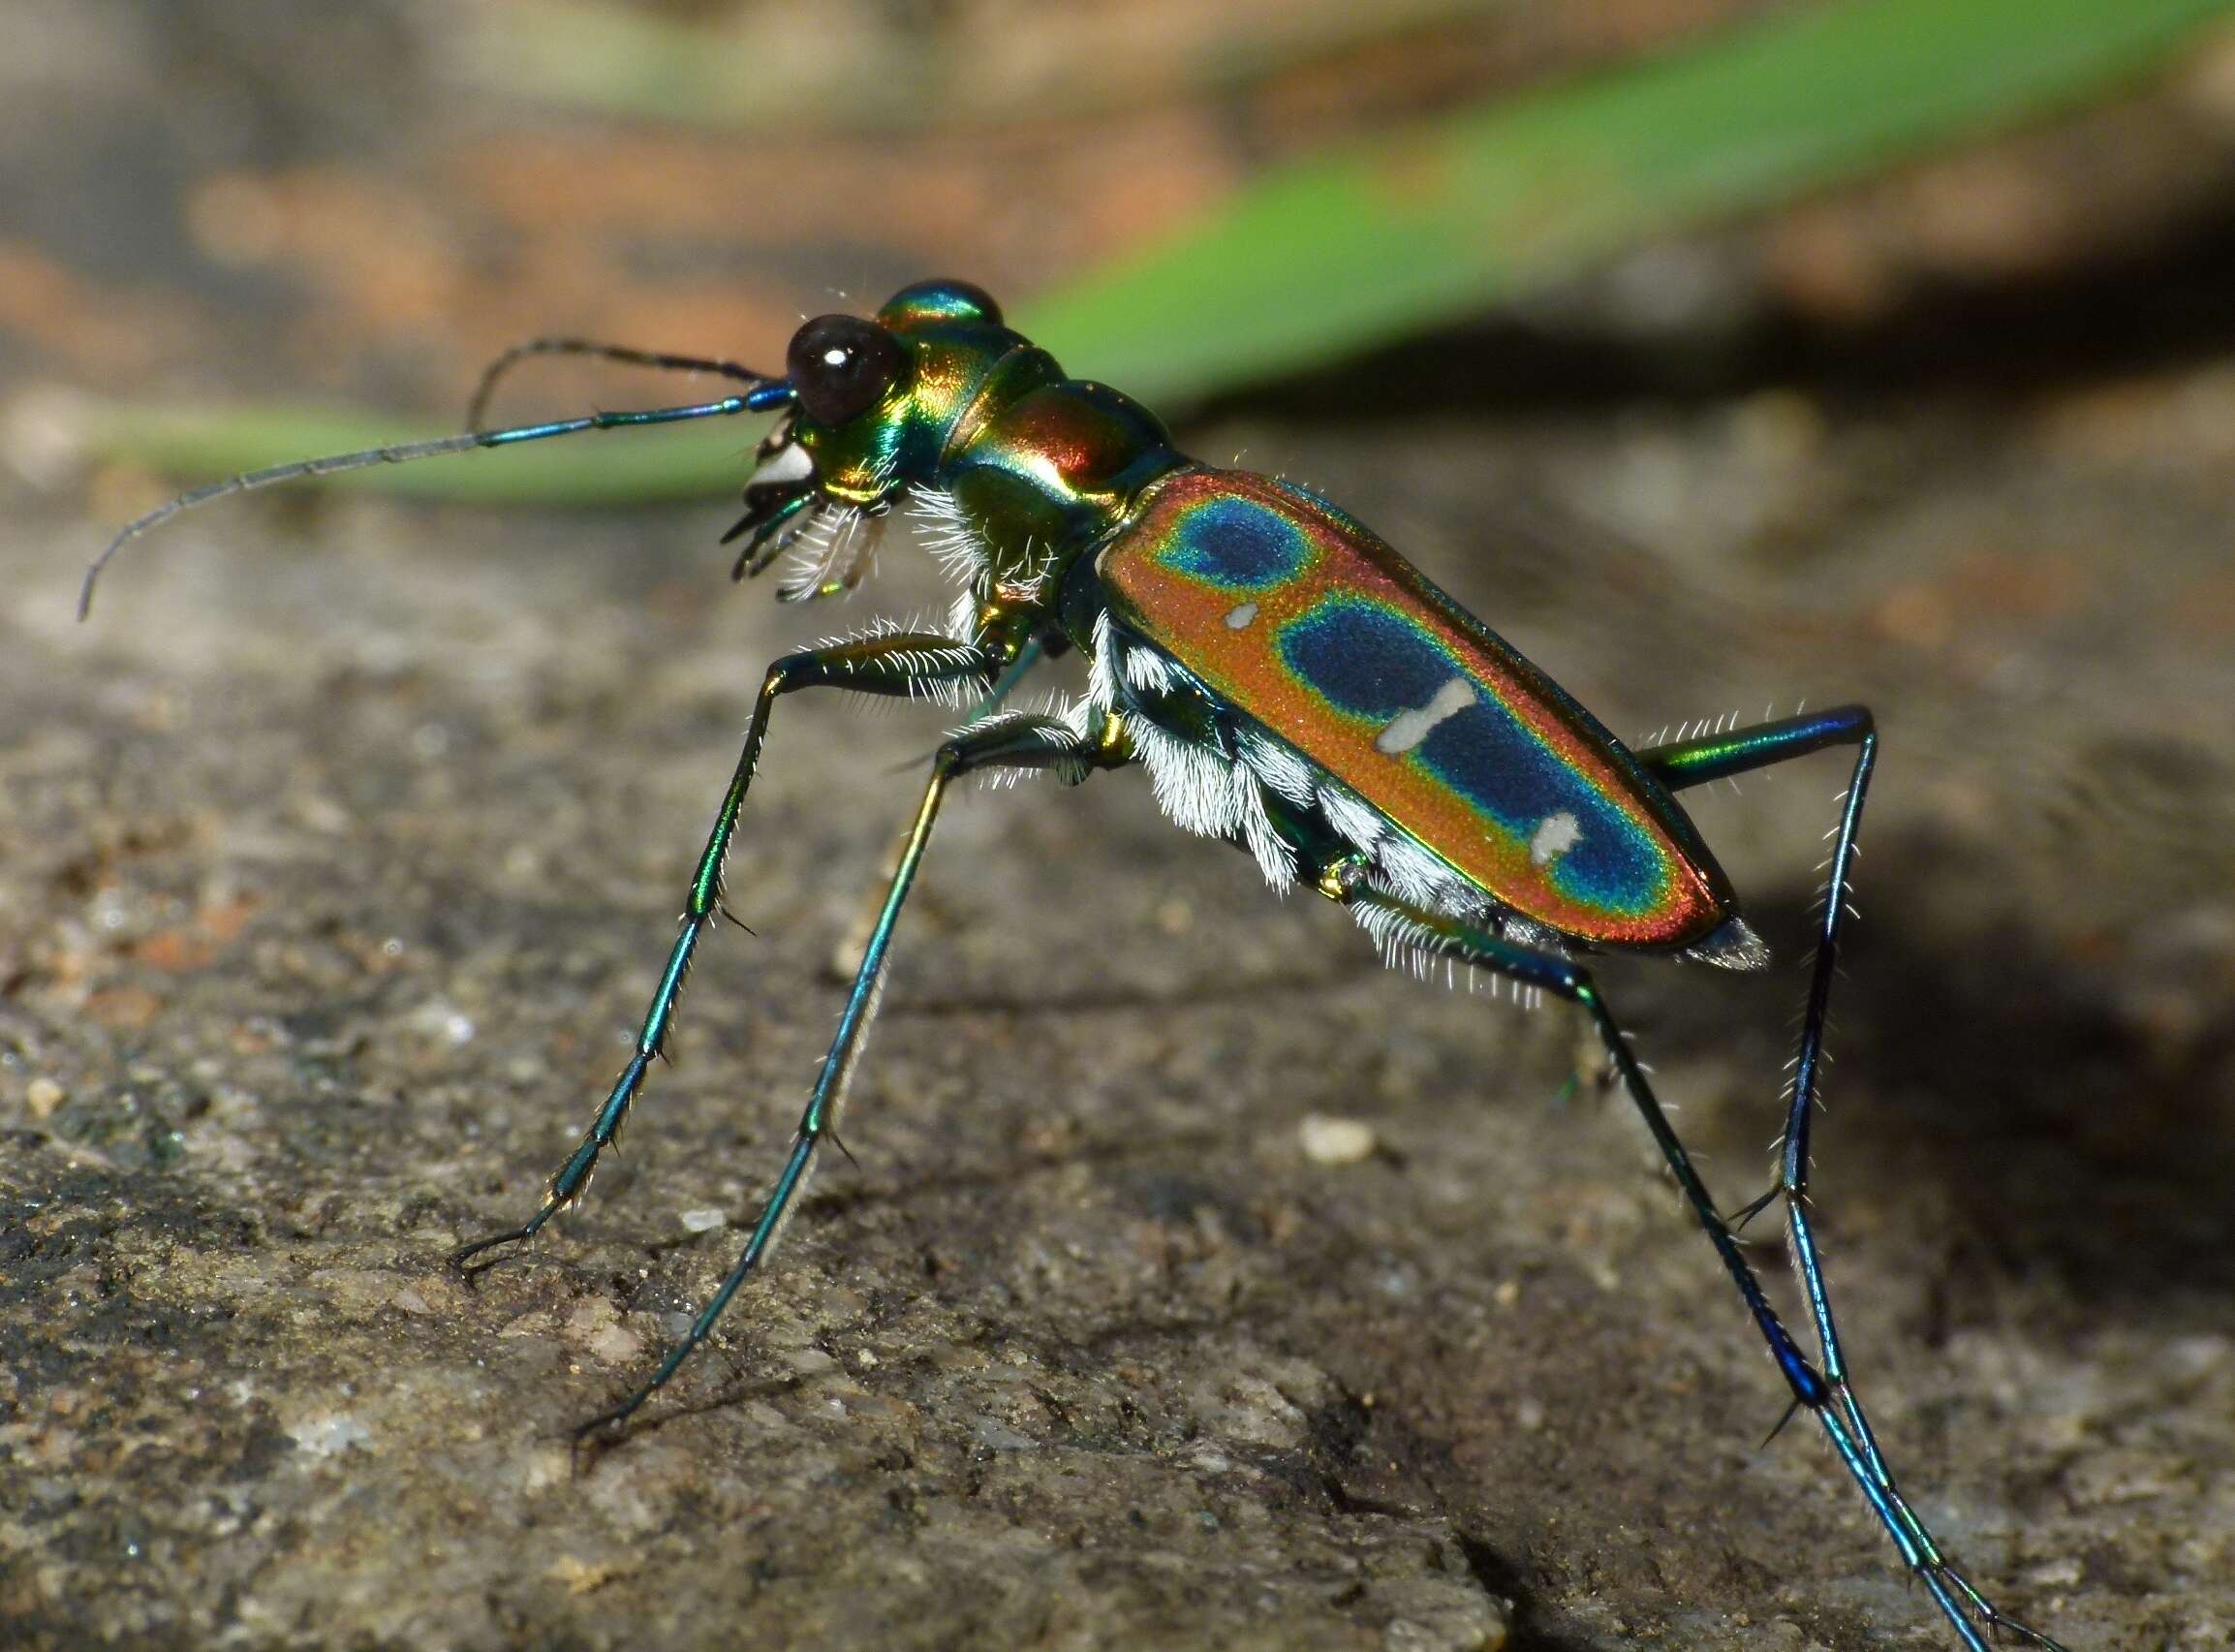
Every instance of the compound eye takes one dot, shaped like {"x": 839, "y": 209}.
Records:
{"x": 841, "y": 366}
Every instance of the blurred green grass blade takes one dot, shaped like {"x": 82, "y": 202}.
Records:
{"x": 801, "y": 72}
{"x": 1328, "y": 257}
{"x": 1333, "y": 255}
{"x": 608, "y": 467}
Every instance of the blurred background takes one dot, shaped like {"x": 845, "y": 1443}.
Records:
{"x": 1722, "y": 354}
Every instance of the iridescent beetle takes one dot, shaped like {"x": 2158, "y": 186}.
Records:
{"x": 1291, "y": 684}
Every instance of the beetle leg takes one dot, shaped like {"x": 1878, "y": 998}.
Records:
{"x": 1691, "y": 762}
{"x": 900, "y": 664}
{"x": 1019, "y": 740}
{"x": 1694, "y": 763}
{"x": 1826, "y": 1397}
{"x": 1028, "y": 655}
{"x": 848, "y": 957}
{"x": 1759, "y": 745}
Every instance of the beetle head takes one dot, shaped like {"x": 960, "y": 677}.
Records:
{"x": 875, "y": 402}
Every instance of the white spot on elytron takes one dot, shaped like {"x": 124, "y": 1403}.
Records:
{"x": 1238, "y": 618}
{"x": 1407, "y": 728}
{"x": 1556, "y": 835}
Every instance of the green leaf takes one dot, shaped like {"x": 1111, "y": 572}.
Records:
{"x": 1331, "y": 256}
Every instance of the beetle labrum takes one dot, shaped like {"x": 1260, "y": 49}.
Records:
{"x": 1291, "y": 685}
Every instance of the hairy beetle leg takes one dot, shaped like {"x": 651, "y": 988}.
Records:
{"x": 1016, "y": 740}
{"x": 899, "y": 664}
{"x": 1826, "y": 1394}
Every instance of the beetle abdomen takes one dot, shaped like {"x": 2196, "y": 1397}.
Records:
{"x": 1308, "y": 624}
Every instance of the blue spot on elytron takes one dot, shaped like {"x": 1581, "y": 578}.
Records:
{"x": 1372, "y": 662}
{"x": 1366, "y": 659}
{"x": 1237, "y": 544}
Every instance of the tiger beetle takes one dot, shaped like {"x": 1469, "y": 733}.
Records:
{"x": 1291, "y": 684}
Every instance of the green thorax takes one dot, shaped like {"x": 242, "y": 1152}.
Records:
{"x": 1052, "y": 470}
{"x": 1039, "y": 466}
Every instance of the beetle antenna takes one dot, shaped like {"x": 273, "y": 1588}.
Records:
{"x": 659, "y": 358}
{"x": 766, "y": 395}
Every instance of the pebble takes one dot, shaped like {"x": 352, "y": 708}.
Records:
{"x": 1330, "y": 1140}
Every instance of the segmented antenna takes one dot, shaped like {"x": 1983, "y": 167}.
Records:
{"x": 765, "y": 395}
{"x": 635, "y": 357}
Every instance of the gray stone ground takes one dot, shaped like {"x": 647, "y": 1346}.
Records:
{"x": 338, "y": 854}
{"x": 336, "y": 858}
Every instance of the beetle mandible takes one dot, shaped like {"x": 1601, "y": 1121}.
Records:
{"x": 1289, "y": 683}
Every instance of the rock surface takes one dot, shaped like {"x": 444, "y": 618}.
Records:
{"x": 338, "y": 856}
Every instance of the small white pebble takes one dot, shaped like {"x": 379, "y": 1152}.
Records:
{"x": 321, "y": 814}
{"x": 438, "y": 1017}
{"x": 42, "y": 1095}
{"x": 703, "y": 1220}
{"x": 865, "y": 1359}
{"x": 1336, "y": 1140}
